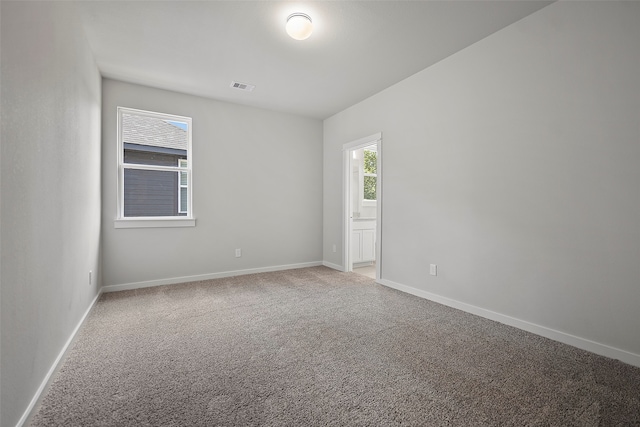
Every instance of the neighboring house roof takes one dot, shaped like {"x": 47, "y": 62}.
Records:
{"x": 152, "y": 132}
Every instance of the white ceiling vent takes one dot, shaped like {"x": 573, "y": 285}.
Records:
{"x": 242, "y": 86}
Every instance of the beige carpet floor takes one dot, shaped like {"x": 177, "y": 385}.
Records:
{"x": 315, "y": 347}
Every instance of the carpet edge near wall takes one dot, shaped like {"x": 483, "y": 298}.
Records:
{"x": 207, "y": 276}
{"x": 32, "y": 407}
{"x": 563, "y": 337}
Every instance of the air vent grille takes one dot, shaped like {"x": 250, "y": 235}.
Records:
{"x": 242, "y": 86}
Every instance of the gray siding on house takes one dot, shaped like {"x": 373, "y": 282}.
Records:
{"x": 150, "y": 158}
{"x": 151, "y": 193}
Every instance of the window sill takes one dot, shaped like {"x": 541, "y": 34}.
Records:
{"x": 151, "y": 222}
{"x": 369, "y": 203}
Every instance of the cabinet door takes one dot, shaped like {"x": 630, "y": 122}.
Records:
{"x": 368, "y": 245}
{"x": 356, "y": 246}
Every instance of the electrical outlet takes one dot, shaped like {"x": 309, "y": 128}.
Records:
{"x": 433, "y": 269}
{"x": 238, "y": 253}
{"x": 334, "y": 248}
{"x": 90, "y": 277}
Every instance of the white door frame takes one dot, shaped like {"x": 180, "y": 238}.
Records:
{"x": 347, "y": 150}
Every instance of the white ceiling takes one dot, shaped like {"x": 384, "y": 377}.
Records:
{"x": 357, "y": 48}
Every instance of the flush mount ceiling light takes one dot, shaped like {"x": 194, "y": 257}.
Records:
{"x": 299, "y": 26}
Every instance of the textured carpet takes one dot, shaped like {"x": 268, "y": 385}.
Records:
{"x": 315, "y": 347}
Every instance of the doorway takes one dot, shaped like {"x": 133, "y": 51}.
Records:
{"x": 362, "y": 180}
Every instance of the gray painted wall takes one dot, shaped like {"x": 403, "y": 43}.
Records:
{"x": 513, "y": 166}
{"x": 257, "y": 185}
{"x": 50, "y": 175}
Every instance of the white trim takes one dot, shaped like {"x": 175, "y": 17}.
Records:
{"x": 379, "y": 184}
{"x": 153, "y": 222}
{"x": 181, "y": 186}
{"x": 563, "y": 337}
{"x": 199, "y": 277}
{"x": 47, "y": 378}
{"x": 333, "y": 266}
{"x": 347, "y": 149}
{"x": 362, "y": 142}
{"x": 346, "y": 210}
{"x": 152, "y": 167}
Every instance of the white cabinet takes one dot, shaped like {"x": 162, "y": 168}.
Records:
{"x": 363, "y": 241}
{"x": 368, "y": 245}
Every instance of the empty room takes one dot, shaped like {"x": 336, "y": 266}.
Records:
{"x": 345, "y": 213}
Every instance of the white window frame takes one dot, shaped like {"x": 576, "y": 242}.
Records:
{"x": 153, "y": 221}
{"x": 180, "y": 186}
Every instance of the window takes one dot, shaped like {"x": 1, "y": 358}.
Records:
{"x": 154, "y": 169}
{"x": 370, "y": 176}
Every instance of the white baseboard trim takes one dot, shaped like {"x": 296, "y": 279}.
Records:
{"x": 332, "y": 265}
{"x": 209, "y": 276}
{"x": 47, "y": 378}
{"x": 563, "y": 337}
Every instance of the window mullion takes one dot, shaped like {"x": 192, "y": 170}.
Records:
{"x": 152, "y": 167}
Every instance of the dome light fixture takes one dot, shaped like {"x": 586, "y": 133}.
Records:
{"x": 299, "y": 26}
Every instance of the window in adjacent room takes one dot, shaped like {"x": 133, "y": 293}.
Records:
{"x": 154, "y": 167}
{"x": 370, "y": 176}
